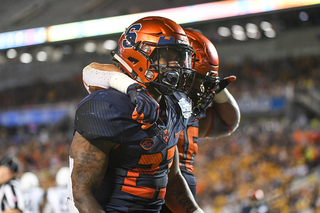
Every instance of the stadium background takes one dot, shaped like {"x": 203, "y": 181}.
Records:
{"x": 272, "y": 158}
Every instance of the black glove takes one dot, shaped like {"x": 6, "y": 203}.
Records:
{"x": 207, "y": 98}
{"x": 224, "y": 83}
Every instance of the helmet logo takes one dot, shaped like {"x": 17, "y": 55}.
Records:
{"x": 131, "y": 32}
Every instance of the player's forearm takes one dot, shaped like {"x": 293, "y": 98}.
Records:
{"x": 86, "y": 203}
{"x": 222, "y": 118}
{"x": 179, "y": 198}
{"x": 88, "y": 163}
{"x": 228, "y": 112}
{"x": 83, "y": 198}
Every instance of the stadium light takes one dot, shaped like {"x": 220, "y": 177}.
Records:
{"x": 201, "y": 12}
{"x": 252, "y": 31}
{"x": 265, "y": 25}
{"x": 238, "y": 33}
{"x": 271, "y": 33}
{"x": 12, "y": 53}
{"x": 26, "y": 58}
{"x": 303, "y": 16}
{"x": 110, "y": 45}
{"x": 224, "y": 31}
{"x": 90, "y": 46}
{"x": 42, "y": 56}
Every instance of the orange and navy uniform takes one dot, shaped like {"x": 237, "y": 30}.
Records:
{"x": 136, "y": 176}
{"x": 188, "y": 148}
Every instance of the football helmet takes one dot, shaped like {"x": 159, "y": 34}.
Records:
{"x": 29, "y": 180}
{"x": 156, "y": 50}
{"x": 62, "y": 176}
{"x": 206, "y": 65}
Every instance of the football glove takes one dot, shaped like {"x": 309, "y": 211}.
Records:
{"x": 217, "y": 95}
{"x": 224, "y": 83}
{"x": 146, "y": 111}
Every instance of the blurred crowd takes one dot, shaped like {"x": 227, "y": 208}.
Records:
{"x": 258, "y": 166}
{"x": 269, "y": 164}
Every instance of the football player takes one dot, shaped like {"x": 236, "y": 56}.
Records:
{"x": 216, "y": 113}
{"x": 118, "y": 164}
{"x": 11, "y": 195}
{"x": 209, "y": 94}
{"x": 33, "y": 194}
{"x": 57, "y": 195}
{"x": 221, "y": 119}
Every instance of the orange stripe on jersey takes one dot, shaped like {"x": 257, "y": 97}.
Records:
{"x": 162, "y": 193}
{"x": 131, "y": 178}
{"x": 170, "y": 155}
{"x": 144, "y": 192}
{"x": 154, "y": 160}
{"x": 186, "y": 155}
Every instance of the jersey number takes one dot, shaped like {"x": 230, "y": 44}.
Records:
{"x": 130, "y": 185}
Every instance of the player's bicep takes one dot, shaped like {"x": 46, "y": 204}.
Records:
{"x": 90, "y": 160}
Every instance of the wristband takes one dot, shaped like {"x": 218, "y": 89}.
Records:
{"x": 121, "y": 82}
{"x": 222, "y": 96}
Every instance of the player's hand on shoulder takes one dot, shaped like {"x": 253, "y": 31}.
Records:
{"x": 147, "y": 109}
{"x": 98, "y": 76}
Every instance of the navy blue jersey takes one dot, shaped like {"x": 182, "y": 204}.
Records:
{"x": 188, "y": 148}
{"x": 137, "y": 171}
